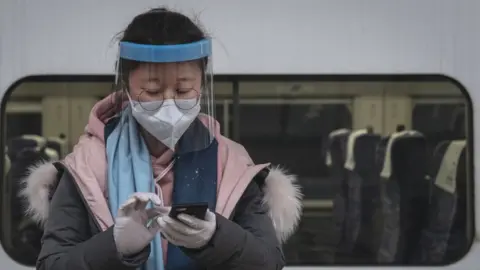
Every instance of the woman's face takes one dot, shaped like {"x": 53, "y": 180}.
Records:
{"x": 151, "y": 82}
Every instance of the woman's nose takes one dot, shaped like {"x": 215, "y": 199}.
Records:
{"x": 169, "y": 93}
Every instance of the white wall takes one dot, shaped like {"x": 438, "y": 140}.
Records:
{"x": 278, "y": 37}
{"x": 274, "y": 37}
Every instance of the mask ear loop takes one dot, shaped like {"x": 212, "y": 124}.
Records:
{"x": 129, "y": 98}
{"x": 130, "y": 101}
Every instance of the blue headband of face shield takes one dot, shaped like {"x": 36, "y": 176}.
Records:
{"x": 166, "y": 53}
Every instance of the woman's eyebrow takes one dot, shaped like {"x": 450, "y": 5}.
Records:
{"x": 186, "y": 79}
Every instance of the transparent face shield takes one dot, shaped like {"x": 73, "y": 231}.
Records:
{"x": 169, "y": 92}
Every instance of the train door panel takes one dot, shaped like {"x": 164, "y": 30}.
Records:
{"x": 367, "y": 111}
{"x": 397, "y": 111}
{"x": 55, "y": 116}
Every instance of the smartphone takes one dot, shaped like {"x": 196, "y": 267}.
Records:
{"x": 197, "y": 210}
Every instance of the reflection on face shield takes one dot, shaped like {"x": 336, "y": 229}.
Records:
{"x": 169, "y": 90}
{"x": 184, "y": 99}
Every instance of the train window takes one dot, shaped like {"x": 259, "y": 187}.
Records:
{"x": 439, "y": 119}
{"x": 374, "y": 191}
{"x": 23, "y": 112}
{"x": 432, "y": 116}
{"x": 384, "y": 184}
{"x": 300, "y": 127}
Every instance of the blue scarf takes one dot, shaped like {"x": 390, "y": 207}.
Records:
{"x": 130, "y": 171}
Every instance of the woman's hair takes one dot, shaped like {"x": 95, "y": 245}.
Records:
{"x": 158, "y": 26}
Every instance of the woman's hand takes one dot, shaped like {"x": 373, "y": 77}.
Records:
{"x": 133, "y": 230}
{"x": 188, "y": 231}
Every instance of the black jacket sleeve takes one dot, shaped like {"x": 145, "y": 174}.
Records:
{"x": 247, "y": 242}
{"x": 68, "y": 241}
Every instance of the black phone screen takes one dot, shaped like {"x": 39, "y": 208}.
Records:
{"x": 197, "y": 210}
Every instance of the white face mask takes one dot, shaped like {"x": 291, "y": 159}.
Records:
{"x": 164, "y": 119}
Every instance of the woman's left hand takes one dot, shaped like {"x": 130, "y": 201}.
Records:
{"x": 188, "y": 231}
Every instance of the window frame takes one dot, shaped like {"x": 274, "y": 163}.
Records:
{"x": 236, "y": 100}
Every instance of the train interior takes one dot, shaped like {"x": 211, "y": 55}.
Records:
{"x": 383, "y": 164}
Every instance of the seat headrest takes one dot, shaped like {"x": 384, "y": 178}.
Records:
{"x": 446, "y": 178}
{"x": 15, "y": 145}
{"x": 350, "y": 158}
{"x": 331, "y": 137}
{"x": 59, "y": 144}
{"x": 52, "y": 154}
{"x": 338, "y": 132}
{"x": 39, "y": 139}
{"x": 440, "y": 147}
{"x": 387, "y": 162}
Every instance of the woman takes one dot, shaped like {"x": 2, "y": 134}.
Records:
{"x": 152, "y": 148}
